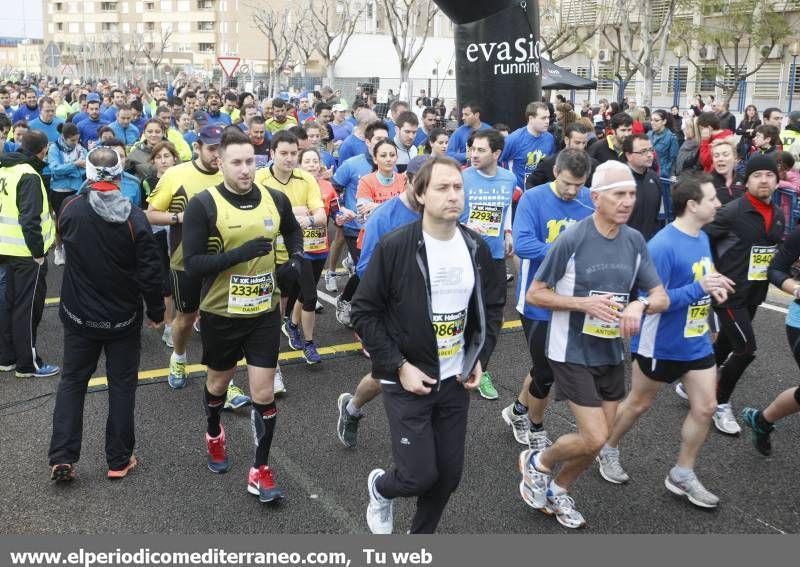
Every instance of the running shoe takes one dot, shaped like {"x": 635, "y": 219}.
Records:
{"x": 380, "y": 512}
{"x": 520, "y": 424}
{"x": 563, "y": 506}
{"x": 116, "y": 474}
{"x": 611, "y": 469}
{"x": 486, "y": 388}
{"x": 235, "y": 398}
{"x": 533, "y": 486}
{"x": 196, "y": 325}
{"x": 319, "y": 308}
{"x": 44, "y": 371}
{"x": 693, "y": 489}
{"x": 509, "y": 277}
{"x": 217, "y": 459}
{"x": 292, "y": 333}
{"x": 347, "y": 425}
{"x": 63, "y": 473}
{"x": 681, "y": 391}
{"x": 177, "y": 373}
{"x": 8, "y": 367}
{"x": 278, "y": 387}
{"x": 261, "y": 483}
{"x": 348, "y": 265}
{"x": 310, "y": 353}
{"x": 331, "y": 282}
{"x": 759, "y": 436}
{"x": 725, "y": 421}
{"x": 166, "y": 336}
{"x": 59, "y": 258}
{"x": 343, "y": 311}
{"x": 538, "y": 440}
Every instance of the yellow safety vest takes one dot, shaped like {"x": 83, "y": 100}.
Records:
{"x": 12, "y": 241}
{"x": 248, "y": 289}
{"x": 789, "y": 137}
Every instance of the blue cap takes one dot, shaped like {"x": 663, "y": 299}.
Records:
{"x": 93, "y": 97}
{"x": 211, "y": 134}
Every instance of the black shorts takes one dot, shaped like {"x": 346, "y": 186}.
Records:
{"x": 536, "y": 337}
{"x": 163, "y": 255}
{"x": 226, "y": 340}
{"x": 668, "y": 371}
{"x": 185, "y": 291}
{"x": 588, "y": 386}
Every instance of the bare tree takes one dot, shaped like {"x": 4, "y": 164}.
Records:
{"x": 567, "y": 25}
{"x": 277, "y": 26}
{"x": 332, "y": 28}
{"x": 733, "y": 31}
{"x": 155, "y": 47}
{"x": 409, "y": 23}
{"x": 622, "y": 69}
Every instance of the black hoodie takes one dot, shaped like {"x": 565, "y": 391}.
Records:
{"x": 29, "y": 199}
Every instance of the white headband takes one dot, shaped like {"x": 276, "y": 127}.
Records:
{"x": 625, "y": 183}
{"x": 95, "y": 173}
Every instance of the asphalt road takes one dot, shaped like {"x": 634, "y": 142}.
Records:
{"x": 172, "y": 491}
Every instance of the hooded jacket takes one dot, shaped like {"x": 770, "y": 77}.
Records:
{"x": 113, "y": 264}
{"x": 64, "y": 174}
{"x": 29, "y": 199}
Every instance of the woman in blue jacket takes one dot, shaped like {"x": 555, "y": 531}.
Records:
{"x": 664, "y": 142}
{"x": 67, "y": 161}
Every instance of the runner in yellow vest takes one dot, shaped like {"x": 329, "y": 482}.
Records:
{"x": 27, "y": 232}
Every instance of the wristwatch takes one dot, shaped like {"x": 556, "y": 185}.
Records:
{"x": 645, "y": 301}
{"x": 174, "y": 219}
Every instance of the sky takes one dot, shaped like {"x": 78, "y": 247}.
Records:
{"x": 14, "y": 24}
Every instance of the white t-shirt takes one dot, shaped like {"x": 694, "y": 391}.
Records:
{"x": 452, "y": 280}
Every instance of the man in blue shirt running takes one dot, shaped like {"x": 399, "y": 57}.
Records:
{"x": 676, "y": 344}
{"x": 530, "y": 144}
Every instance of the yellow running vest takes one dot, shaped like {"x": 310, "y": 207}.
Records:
{"x": 12, "y": 241}
{"x": 248, "y": 289}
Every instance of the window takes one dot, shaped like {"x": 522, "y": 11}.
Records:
{"x": 125, "y": 7}
{"x": 150, "y": 26}
{"x": 89, "y": 27}
{"x": 59, "y": 6}
{"x": 205, "y": 26}
{"x": 149, "y": 5}
{"x": 582, "y": 72}
{"x": 184, "y": 27}
{"x": 74, "y": 27}
{"x": 73, "y": 7}
{"x": 768, "y": 81}
{"x": 730, "y": 76}
{"x": 51, "y": 28}
{"x": 675, "y": 76}
{"x": 60, "y": 26}
{"x": 108, "y": 27}
{"x": 706, "y": 79}
{"x": 794, "y": 70}
{"x": 605, "y": 81}
{"x": 184, "y": 5}
{"x": 205, "y": 4}
{"x": 126, "y": 28}
{"x": 205, "y": 47}
{"x": 108, "y": 6}
{"x": 166, "y": 5}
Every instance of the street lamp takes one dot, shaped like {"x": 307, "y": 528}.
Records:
{"x": 676, "y": 99}
{"x": 590, "y": 53}
{"x": 794, "y": 51}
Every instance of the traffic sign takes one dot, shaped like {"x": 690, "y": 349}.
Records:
{"x": 52, "y": 55}
{"x": 228, "y": 64}
{"x": 244, "y": 70}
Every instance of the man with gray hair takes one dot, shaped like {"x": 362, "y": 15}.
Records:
{"x": 587, "y": 280}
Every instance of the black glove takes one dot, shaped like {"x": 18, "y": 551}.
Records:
{"x": 260, "y": 246}
{"x": 290, "y": 272}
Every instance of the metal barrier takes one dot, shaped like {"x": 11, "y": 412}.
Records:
{"x": 665, "y": 214}
{"x": 787, "y": 201}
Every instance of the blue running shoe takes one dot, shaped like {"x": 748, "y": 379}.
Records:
{"x": 310, "y": 353}
{"x": 44, "y": 371}
{"x": 235, "y": 398}
{"x": 760, "y": 437}
{"x": 292, "y": 333}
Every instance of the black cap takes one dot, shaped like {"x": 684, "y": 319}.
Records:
{"x": 760, "y": 162}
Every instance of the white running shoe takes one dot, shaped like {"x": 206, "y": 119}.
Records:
{"x": 59, "y": 258}
{"x": 564, "y": 508}
{"x": 725, "y": 421}
{"x": 693, "y": 489}
{"x": 681, "y": 391}
{"x": 611, "y": 469}
{"x": 166, "y": 336}
{"x": 343, "y": 311}
{"x": 533, "y": 487}
{"x": 279, "y": 387}
{"x": 349, "y": 265}
{"x": 520, "y": 424}
{"x": 380, "y": 512}
{"x": 331, "y": 283}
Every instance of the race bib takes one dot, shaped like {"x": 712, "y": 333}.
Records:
{"x": 760, "y": 257}
{"x": 697, "y": 318}
{"x": 488, "y": 217}
{"x": 250, "y": 294}
{"x": 600, "y": 329}
{"x": 449, "y": 331}
{"x": 315, "y": 239}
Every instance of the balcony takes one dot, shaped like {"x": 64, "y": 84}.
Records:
{"x": 205, "y": 26}
{"x": 205, "y": 47}
{"x": 205, "y": 5}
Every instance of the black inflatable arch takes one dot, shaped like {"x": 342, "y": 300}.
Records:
{"x": 497, "y": 56}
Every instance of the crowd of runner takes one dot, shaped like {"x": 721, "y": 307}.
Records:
{"x": 221, "y": 212}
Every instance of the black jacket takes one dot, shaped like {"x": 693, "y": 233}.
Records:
{"x": 782, "y": 267}
{"x": 29, "y": 199}
{"x": 391, "y": 309}
{"x": 727, "y": 194}
{"x": 112, "y": 265}
{"x": 602, "y": 153}
{"x": 644, "y": 217}
{"x": 727, "y": 121}
{"x": 737, "y": 227}
{"x": 544, "y": 172}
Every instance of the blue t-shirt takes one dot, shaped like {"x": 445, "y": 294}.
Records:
{"x": 191, "y": 137}
{"x": 793, "y": 316}
{"x": 219, "y": 118}
{"x": 348, "y": 175}
{"x": 457, "y": 146}
{"x": 303, "y": 116}
{"x": 542, "y": 215}
{"x": 110, "y": 114}
{"x": 25, "y": 113}
{"x": 420, "y": 139}
{"x": 341, "y": 131}
{"x": 681, "y": 332}
{"x": 327, "y": 159}
{"x": 88, "y": 130}
{"x": 80, "y": 117}
{"x": 352, "y": 146}
{"x": 129, "y": 135}
{"x": 50, "y": 129}
{"x": 487, "y": 203}
{"x": 526, "y": 151}
{"x": 391, "y": 215}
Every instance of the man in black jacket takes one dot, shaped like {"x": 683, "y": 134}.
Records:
{"x": 611, "y": 147}
{"x": 744, "y": 238}
{"x": 421, "y": 311}
{"x": 639, "y": 155}
{"x": 113, "y": 264}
